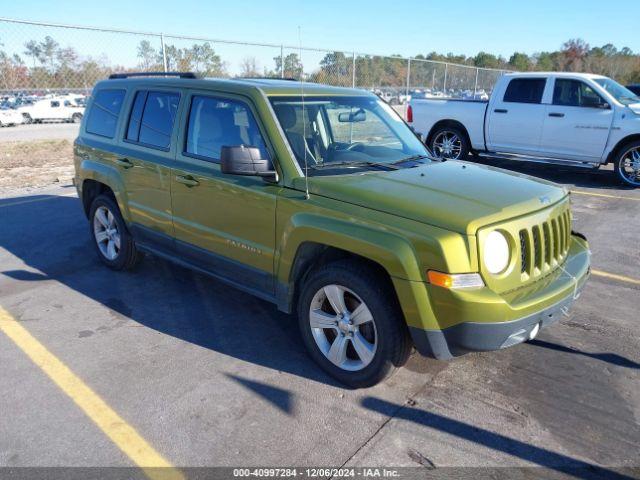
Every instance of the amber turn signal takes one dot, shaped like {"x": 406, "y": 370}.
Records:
{"x": 455, "y": 280}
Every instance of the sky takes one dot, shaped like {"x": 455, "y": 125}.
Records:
{"x": 381, "y": 27}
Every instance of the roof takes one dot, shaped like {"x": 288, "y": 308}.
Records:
{"x": 269, "y": 86}
{"x": 555, "y": 74}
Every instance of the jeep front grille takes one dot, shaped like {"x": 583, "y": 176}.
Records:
{"x": 545, "y": 245}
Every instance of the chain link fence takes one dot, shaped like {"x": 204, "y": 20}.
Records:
{"x": 38, "y": 59}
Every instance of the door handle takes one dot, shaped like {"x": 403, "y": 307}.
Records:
{"x": 124, "y": 162}
{"x": 556, "y": 114}
{"x": 500, "y": 110}
{"x": 187, "y": 180}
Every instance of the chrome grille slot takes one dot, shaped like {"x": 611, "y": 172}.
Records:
{"x": 537, "y": 248}
{"x": 563, "y": 238}
{"x": 524, "y": 251}
{"x": 567, "y": 233}
{"x": 546, "y": 233}
{"x": 556, "y": 238}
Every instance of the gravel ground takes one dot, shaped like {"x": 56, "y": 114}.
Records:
{"x": 35, "y": 163}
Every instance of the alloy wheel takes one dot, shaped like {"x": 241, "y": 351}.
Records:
{"x": 343, "y": 327}
{"x": 106, "y": 233}
{"x": 447, "y": 144}
{"x": 630, "y": 166}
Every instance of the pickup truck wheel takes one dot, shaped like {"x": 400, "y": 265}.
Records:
{"x": 627, "y": 164}
{"x": 449, "y": 143}
{"x": 27, "y": 118}
{"x": 351, "y": 325}
{"x": 114, "y": 243}
{"x": 76, "y": 118}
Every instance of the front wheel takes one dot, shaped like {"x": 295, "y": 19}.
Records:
{"x": 76, "y": 118}
{"x": 351, "y": 324}
{"x": 449, "y": 143}
{"x": 27, "y": 118}
{"x": 627, "y": 164}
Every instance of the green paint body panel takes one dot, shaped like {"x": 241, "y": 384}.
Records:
{"x": 408, "y": 221}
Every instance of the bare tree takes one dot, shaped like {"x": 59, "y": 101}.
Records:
{"x": 249, "y": 67}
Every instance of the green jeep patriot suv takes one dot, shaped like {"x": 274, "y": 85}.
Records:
{"x": 322, "y": 201}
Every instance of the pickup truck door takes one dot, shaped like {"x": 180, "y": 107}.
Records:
{"x": 515, "y": 116}
{"x": 224, "y": 224}
{"x": 577, "y": 122}
{"x": 55, "y": 110}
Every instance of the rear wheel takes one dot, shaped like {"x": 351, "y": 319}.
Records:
{"x": 76, "y": 118}
{"x": 351, "y": 324}
{"x": 27, "y": 118}
{"x": 449, "y": 143}
{"x": 114, "y": 243}
{"x": 627, "y": 164}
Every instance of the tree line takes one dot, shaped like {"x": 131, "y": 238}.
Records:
{"x": 45, "y": 64}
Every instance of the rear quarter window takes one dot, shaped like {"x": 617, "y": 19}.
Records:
{"x": 103, "y": 115}
{"x": 525, "y": 90}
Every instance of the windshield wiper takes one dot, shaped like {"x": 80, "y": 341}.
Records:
{"x": 411, "y": 158}
{"x": 320, "y": 166}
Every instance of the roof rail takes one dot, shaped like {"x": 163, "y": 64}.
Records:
{"x": 114, "y": 76}
{"x": 287, "y": 79}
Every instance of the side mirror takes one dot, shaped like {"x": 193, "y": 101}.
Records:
{"x": 241, "y": 160}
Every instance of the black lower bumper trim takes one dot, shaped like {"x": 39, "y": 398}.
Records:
{"x": 476, "y": 336}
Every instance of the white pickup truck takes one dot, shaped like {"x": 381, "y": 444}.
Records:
{"x": 53, "y": 109}
{"x": 564, "y": 118}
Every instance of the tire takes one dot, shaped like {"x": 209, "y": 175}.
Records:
{"x": 76, "y": 118}
{"x": 386, "y": 337}
{"x": 449, "y": 143}
{"x": 106, "y": 221}
{"x": 27, "y": 118}
{"x": 627, "y": 164}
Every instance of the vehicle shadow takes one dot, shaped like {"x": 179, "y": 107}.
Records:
{"x": 496, "y": 441}
{"x": 603, "y": 178}
{"x": 611, "y": 358}
{"x": 50, "y": 235}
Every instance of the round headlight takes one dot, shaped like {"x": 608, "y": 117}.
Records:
{"x": 496, "y": 252}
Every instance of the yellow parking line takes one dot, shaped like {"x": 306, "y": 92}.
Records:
{"x": 32, "y": 200}
{"x": 115, "y": 427}
{"x": 580, "y": 192}
{"x": 615, "y": 276}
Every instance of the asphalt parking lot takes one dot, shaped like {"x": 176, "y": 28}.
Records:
{"x": 199, "y": 374}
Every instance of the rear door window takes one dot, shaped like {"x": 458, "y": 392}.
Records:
{"x": 525, "y": 90}
{"x": 103, "y": 115}
{"x": 152, "y": 117}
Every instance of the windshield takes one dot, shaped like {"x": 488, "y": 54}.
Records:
{"x": 617, "y": 91}
{"x": 346, "y": 131}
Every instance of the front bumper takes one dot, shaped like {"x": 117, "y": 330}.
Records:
{"x": 542, "y": 306}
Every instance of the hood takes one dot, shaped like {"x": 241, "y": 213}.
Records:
{"x": 454, "y": 195}
{"x": 634, "y": 107}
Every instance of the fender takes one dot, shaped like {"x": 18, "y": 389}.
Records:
{"x": 392, "y": 252}
{"x": 109, "y": 176}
